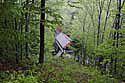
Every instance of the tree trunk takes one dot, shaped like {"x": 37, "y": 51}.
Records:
{"x": 17, "y": 49}
{"x": 106, "y": 20}
{"x": 101, "y": 4}
{"x": 42, "y": 20}
{"x": 26, "y": 27}
{"x": 21, "y": 44}
{"x": 116, "y": 36}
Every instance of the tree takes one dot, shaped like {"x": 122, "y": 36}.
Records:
{"x": 100, "y": 9}
{"x": 42, "y": 20}
{"x": 27, "y": 27}
{"x": 116, "y": 33}
{"x": 106, "y": 18}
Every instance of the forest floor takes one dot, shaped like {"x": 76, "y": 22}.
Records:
{"x": 55, "y": 70}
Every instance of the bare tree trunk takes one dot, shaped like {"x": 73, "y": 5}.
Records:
{"x": 123, "y": 3}
{"x": 106, "y": 20}
{"x": 101, "y": 4}
{"x": 116, "y": 34}
{"x": 42, "y": 20}
{"x": 99, "y": 20}
{"x": 83, "y": 49}
{"x": 26, "y": 27}
{"x": 17, "y": 46}
{"x": 33, "y": 1}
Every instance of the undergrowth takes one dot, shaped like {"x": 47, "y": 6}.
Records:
{"x": 56, "y": 70}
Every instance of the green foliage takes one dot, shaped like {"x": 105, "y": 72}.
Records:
{"x": 19, "y": 78}
{"x": 57, "y": 70}
{"x": 74, "y": 17}
{"x": 105, "y": 49}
